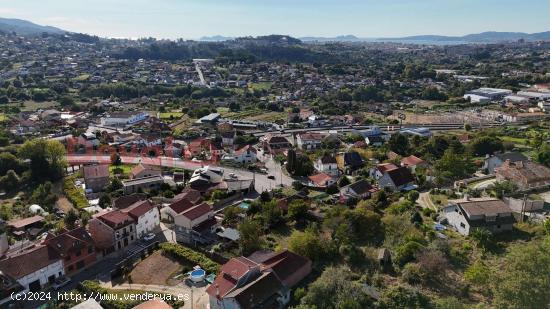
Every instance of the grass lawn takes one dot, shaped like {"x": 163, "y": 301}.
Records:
{"x": 123, "y": 169}
{"x": 260, "y": 86}
{"x": 170, "y": 115}
{"x": 439, "y": 199}
{"x": 515, "y": 140}
{"x": 3, "y": 117}
{"x": 81, "y": 78}
{"x": 252, "y": 114}
{"x": 31, "y": 106}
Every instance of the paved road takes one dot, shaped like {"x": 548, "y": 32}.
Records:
{"x": 262, "y": 182}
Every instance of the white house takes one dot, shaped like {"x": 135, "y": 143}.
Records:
{"x": 491, "y": 214}
{"x": 309, "y": 141}
{"x": 146, "y": 216}
{"x": 123, "y": 118}
{"x": 327, "y": 164}
{"x": 247, "y": 154}
{"x": 33, "y": 267}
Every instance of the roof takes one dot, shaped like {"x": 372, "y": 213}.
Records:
{"x": 259, "y": 293}
{"x": 328, "y": 159}
{"x": 491, "y": 207}
{"x": 138, "y": 209}
{"x": 384, "y": 167}
{"x": 143, "y": 167}
{"x": 512, "y": 156}
{"x": 284, "y": 263}
{"x": 400, "y": 176}
{"x": 530, "y": 171}
{"x": 360, "y": 187}
{"x": 73, "y": 240}
{"x": 277, "y": 139}
{"x": 28, "y": 261}
{"x": 127, "y": 200}
{"x": 133, "y": 182}
{"x": 320, "y": 179}
{"x": 312, "y": 136}
{"x": 229, "y": 275}
{"x": 411, "y": 161}
{"x": 96, "y": 171}
{"x": 353, "y": 159}
{"x": 244, "y": 149}
{"x": 181, "y": 205}
{"x": 116, "y": 219}
{"x": 197, "y": 211}
{"x": 25, "y": 222}
{"x": 189, "y": 194}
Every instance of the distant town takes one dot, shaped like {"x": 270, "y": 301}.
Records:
{"x": 271, "y": 172}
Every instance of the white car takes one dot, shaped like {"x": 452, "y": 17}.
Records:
{"x": 232, "y": 175}
{"x": 149, "y": 236}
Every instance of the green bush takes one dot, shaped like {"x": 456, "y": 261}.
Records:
{"x": 74, "y": 194}
{"x": 187, "y": 255}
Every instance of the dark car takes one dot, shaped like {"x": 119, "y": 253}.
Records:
{"x": 271, "y": 177}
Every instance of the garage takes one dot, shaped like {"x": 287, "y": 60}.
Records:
{"x": 34, "y": 286}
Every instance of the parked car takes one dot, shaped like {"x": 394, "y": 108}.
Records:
{"x": 149, "y": 236}
{"x": 60, "y": 282}
{"x": 271, "y": 177}
{"x": 263, "y": 170}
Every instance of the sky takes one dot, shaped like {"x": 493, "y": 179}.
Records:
{"x": 191, "y": 19}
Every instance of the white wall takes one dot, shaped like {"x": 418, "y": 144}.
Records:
{"x": 148, "y": 222}
{"x": 51, "y": 270}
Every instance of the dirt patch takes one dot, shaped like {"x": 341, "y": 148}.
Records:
{"x": 65, "y": 205}
{"x": 156, "y": 269}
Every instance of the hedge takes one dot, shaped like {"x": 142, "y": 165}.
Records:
{"x": 74, "y": 194}
{"x": 187, "y": 255}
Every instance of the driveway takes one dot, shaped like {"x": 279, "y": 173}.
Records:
{"x": 425, "y": 201}
{"x": 484, "y": 184}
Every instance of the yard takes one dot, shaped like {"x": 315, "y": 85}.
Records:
{"x": 156, "y": 269}
{"x": 123, "y": 169}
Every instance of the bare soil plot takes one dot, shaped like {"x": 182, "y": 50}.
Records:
{"x": 156, "y": 269}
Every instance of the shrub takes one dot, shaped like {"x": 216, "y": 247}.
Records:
{"x": 74, "y": 194}
{"x": 189, "y": 256}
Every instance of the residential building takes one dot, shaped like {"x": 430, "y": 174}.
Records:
{"x": 309, "y": 141}
{"x": 321, "y": 180}
{"x": 194, "y": 224}
{"x": 143, "y": 170}
{"x": 380, "y": 169}
{"x": 276, "y": 144}
{"x": 398, "y": 179}
{"x": 75, "y": 247}
{"x": 33, "y": 267}
{"x": 112, "y": 231}
{"x": 228, "y": 138}
{"x": 375, "y": 141}
{"x": 496, "y": 160}
{"x": 30, "y": 226}
{"x": 145, "y": 183}
{"x": 412, "y": 162}
{"x": 349, "y": 162}
{"x": 96, "y": 177}
{"x": 327, "y": 164}
{"x": 466, "y": 216}
{"x": 145, "y": 215}
{"x": 120, "y": 119}
{"x": 360, "y": 190}
{"x": 525, "y": 174}
{"x": 245, "y": 155}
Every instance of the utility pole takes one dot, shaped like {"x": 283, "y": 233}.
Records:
{"x": 523, "y": 207}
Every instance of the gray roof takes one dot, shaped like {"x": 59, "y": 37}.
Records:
{"x": 512, "y": 156}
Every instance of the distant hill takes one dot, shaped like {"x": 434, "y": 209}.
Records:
{"x": 24, "y": 27}
{"x": 341, "y": 38}
{"x": 484, "y": 37}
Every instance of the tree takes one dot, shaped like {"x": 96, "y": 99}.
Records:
{"x": 482, "y": 237}
{"x": 452, "y": 166}
{"x": 115, "y": 159}
{"x": 70, "y": 219}
{"x": 413, "y": 196}
{"x": 250, "y": 236}
{"x": 485, "y": 145}
{"x": 8, "y": 162}
{"x": 298, "y": 211}
{"x": 522, "y": 280}
{"x": 306, "y": 244}
{"x": 47, "y": 158}
{"x": 399, "y": 143}
{"x": 43, "y": 196}
{"x": 543, "y": 155}
{"x": 399, "y": 296}
{"x": 105, "y": 201}
{"x": 271, "y": 214}
{"x": 343, "y": 290}
{"x": 10, "y": 181}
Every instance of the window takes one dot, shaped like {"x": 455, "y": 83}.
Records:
{"x": 462, "y": 225}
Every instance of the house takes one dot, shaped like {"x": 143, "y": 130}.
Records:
{"x": 374, "y": 141}
{"x": 289, "y": 267}
{"x": 143, "y": 170}
{"x": 33, "y": 267}
{"x": 121, "y": 119}
{"x": 422, "y": 132}
{"x": 30, "y": 226}
{"x": 496, "y": 160}
{"x": 261, "y": 281}
{"x": 144, "y": 183}
{"x": 194, "y": 224}
{"x": 112, "y": 231}
{"x": 276, "y": 144}
{"x": 309, "y": 141}
{"x": 397, "y": 179}
{"x": 96, "y": 177}
{"x": 205, "y": 177}
{"x": 228, "y": 138}
{"x": 466, "y": 216}
{"x": 327, "y": 164}
{"x": 246, "y": 155}
{"x": 9, "y": 287}
{"x": 412, "y": 162}
{"x": 145, "y": 215}
{"x": 321, "y": 180}
{"x": 349, "y": 162}
{"x": 75, "y": 247}
{"x": 378, "y": 171}
{"x": 374, "y": 132}
{"x": 525, "y": 174}
{"x": 361, "y": 190}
